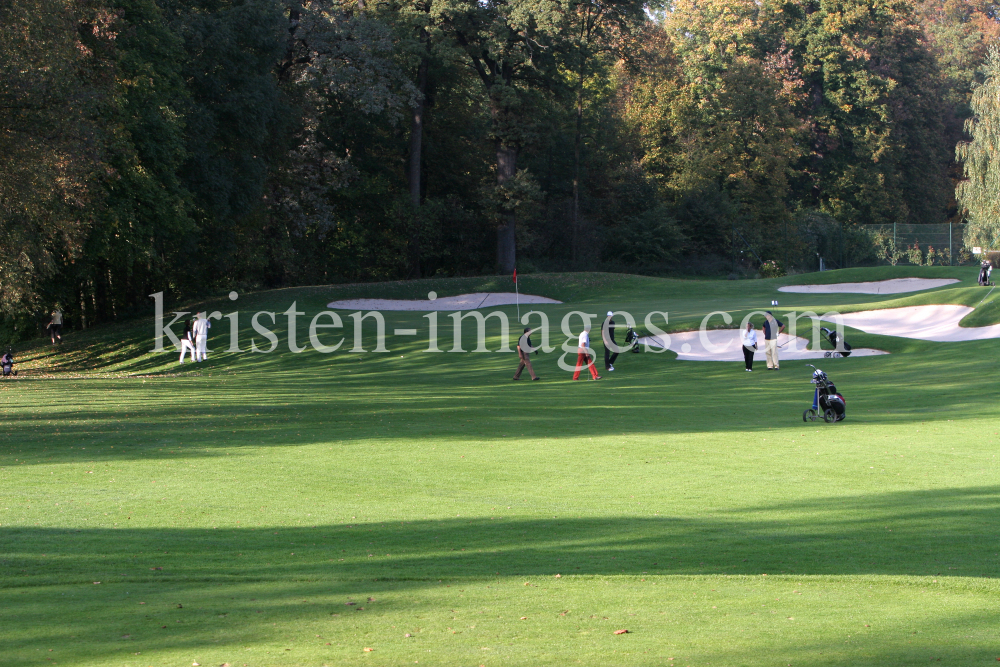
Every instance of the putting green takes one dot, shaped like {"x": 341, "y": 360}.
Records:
{"x": 298, "y": 509}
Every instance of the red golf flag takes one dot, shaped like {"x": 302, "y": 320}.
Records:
{"x": 515, "y": 275}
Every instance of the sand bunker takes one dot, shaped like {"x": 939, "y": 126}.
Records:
{"x": 937, "y": 323}
{"x": 460, "y": 302}
{"x": 894, "y": 286}
{"x": 724, "y": 345}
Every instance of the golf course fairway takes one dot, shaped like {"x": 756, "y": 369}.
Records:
{"x": 407, "y": 507}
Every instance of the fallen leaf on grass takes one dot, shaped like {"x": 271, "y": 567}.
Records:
{"x": 524, "y": 618}
{"x": 368, "y": 650}
{"x": 558, "y": 576}
{"x": 621, "y": 632}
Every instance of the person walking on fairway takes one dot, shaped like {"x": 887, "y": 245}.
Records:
{"x": 608, "y": 338}
{"x": 55, "y": 325}
{"x": 583, "y": 356}
{"x": 749, "y": 346}
{"x": 187, "y": 341}
{"x": 772, "y": 328}
{"x": 524, "y": 348}
{"x": 201, "y": 327}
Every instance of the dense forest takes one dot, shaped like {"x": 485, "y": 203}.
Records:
{"x": 197, "y": 145}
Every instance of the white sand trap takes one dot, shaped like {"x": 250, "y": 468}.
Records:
{"x": 460, "y": 302}
{"x": 724, "y": 345}
{"x": 937, "y": 323}
{"x": 894, "y": 286}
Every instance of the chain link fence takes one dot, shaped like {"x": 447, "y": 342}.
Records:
{"x": 933, "y": 244}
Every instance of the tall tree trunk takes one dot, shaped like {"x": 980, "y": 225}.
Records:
{"x": 413, "y": 172}
{"x": 506, "y": 243}
{"x": 578, "y": 140}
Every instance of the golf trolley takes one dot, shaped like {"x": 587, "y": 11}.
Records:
{"x": 842, "y": 350}
{"x": 7, "y": 365}
{"x": 631, "y": 341}
{"x": 827, "y": 403}
{"x": 985, "y": 269}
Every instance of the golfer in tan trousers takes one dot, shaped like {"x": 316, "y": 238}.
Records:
{"x": 522, "y": 354}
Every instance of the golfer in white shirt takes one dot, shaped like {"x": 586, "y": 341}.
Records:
{"x": 201, "y": 327}
{"x": 749, "y": 346}
{"x": 583, "y": 356}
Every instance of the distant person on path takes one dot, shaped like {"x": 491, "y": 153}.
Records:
{"x": 608, "y": 338}
{"x": 200, "y": 329}
{"x": 524, "y": 347}
{"x": 187, "y": 341}
{"x": 772, "y": 328}
{"x": 583, "y": 357}
{"x": 55, "y": 325}
{"x": 749, "y": 346}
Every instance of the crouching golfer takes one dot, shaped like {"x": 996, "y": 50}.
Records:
{"x": 583, "y": 357}
{"x": 772, "y": 328}
{"x": 187, "y": 341}
{"x": 200, "y": 328}
{"x": 524, "y": 348}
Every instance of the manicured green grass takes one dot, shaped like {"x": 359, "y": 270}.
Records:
{"x": 296, "y": 509}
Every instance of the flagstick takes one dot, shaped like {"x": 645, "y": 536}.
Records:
{"x": 517, "y": 292}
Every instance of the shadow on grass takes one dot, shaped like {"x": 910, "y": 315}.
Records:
{"x": 200, "y": 586}
{"x": 949, "y": 532}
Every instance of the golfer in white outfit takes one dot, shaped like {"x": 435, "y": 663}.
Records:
{"x": 201, "y": 327}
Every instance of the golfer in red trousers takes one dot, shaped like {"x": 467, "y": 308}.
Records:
{"x": 583, "y": 356}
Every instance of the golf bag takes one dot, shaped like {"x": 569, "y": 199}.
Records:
{"x": 631, "y": 340}
{"x": 984, "y": 273}
{"x": 827, "y": 403}
{"x": 7, "y": 364}
{"x": 843, "y": 350}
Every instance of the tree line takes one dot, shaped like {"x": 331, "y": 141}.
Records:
{"x": 198, "y": 145}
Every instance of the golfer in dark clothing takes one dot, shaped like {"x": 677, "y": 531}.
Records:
{"x": 772, "y": 328}
{"x": 608, "y": 337}
{"x": 522, "y": 354}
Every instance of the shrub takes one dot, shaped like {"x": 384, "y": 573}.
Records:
{"x": 885, "y": 248}
{"x": 915, "y": 254}
{"x": 931, "y": 256}
{"x": 771, "y": 269}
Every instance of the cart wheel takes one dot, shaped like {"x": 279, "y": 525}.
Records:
{"x": 829, "y": 416}
{"x": 826, "y": 355}
{"x": 837, "y": 355}
{"x": 809, "y": 415}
